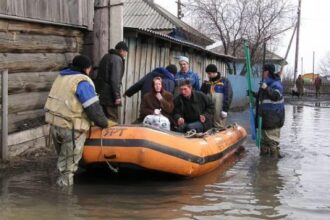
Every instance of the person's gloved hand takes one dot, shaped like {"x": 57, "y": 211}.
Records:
{"x": 111, "y": 123}
{"x": 248, "y": 92}
{"x": 224, "y": 114}
{"x": 264, "y": 86}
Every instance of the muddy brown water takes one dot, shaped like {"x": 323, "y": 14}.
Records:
{"x": 245, "y": 187}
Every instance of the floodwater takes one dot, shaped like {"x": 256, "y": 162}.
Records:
{"x": 246, "y": 187}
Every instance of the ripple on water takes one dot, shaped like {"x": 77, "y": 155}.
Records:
{"x": 249, "y": 187}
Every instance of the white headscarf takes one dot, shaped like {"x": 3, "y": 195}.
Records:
{"x": 183, "y": 58}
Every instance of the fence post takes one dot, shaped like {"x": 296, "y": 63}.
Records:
{"x": 4, "y": 115}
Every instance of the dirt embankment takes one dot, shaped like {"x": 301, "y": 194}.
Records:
{"x": 41, "y": 158}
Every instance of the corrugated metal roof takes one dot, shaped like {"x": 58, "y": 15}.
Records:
{"x": 140, "y": 14}
{"x": 148, "y": 15}
{"x": 179, "y": 23}
{"x": 185, "y": 43}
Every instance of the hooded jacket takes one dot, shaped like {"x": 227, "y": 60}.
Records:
{"x": 271, "y": 107}
{"x": 145, "y": 84}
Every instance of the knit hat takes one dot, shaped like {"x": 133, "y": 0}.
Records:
{"x": 172, "y": 69}
{"x": 183, "y": 58}
{"x": 121, "y": 46}
{"x": 211, "y": 68}
{"x": 269, "y": 67}
{"x": 81, "y": 62}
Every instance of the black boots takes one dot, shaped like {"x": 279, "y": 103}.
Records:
{"x": 273, "y": 151}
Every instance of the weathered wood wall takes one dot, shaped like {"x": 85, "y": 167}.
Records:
{"x": 146, "y": 54}
{"x": 70, "y": 12}
{"x": 33, "y": 54}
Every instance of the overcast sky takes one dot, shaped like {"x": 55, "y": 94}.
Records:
{"x": 314, "y": 33}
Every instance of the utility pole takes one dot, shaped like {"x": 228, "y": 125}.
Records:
{"x": 288, "y": 50}
{"x": 302, "y": 65}
{"x": 297, "y": 43}
{"x": 180, "y": 14}
{"x": 313, "y": 61}
{"x": 264, "y": 54}
{"x": 313, "y": 64}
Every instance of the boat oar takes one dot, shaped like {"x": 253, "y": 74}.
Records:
{"x": 249, "y": 84}
{"x": 259, "y": 103}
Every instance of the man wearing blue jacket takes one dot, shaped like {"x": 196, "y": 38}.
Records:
{"x": 271, "y": 108}
{"x": 71, "y": 107}
{"x": 186, "y": 74}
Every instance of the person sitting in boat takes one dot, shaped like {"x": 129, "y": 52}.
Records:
{"x": 192, "y": 109}
{"x": 158, "y": 99}
{"x": 144, "y": 85}
{"x": 221, "y": 93}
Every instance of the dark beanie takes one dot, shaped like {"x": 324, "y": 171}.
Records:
{"x": 81, "y": 62}
{"x": 121, "y": 46}
{"x": 211, "y": 68}
{"x": 269, "y": 67}
{"x": 172, "y": 69}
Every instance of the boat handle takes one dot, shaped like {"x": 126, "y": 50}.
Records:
{"x": 109, "y": 157}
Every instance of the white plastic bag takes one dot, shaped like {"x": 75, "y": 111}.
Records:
{"x": 157, "y": 121}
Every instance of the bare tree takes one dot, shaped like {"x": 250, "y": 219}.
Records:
{"x": 324, "y": 65}
{"x": 233, "y": 21}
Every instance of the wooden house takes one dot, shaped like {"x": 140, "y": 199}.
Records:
{"x": 37, "y": 38}
{"x": 156, "y": 38}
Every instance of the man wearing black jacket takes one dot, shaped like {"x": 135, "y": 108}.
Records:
{"x": 109, "y": 80}
{"x": 192, "y": 109}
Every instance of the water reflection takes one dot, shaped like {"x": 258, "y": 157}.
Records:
{"x": 246, "y": 187}
{"x": 145, "y": 196}
{"x": 267, "y": 185}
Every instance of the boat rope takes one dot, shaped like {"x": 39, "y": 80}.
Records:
{"x": 193, "y": 133}
{"x": 113, "y": 169}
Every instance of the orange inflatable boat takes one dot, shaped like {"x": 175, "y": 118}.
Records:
{"x": 163, "y": 151}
